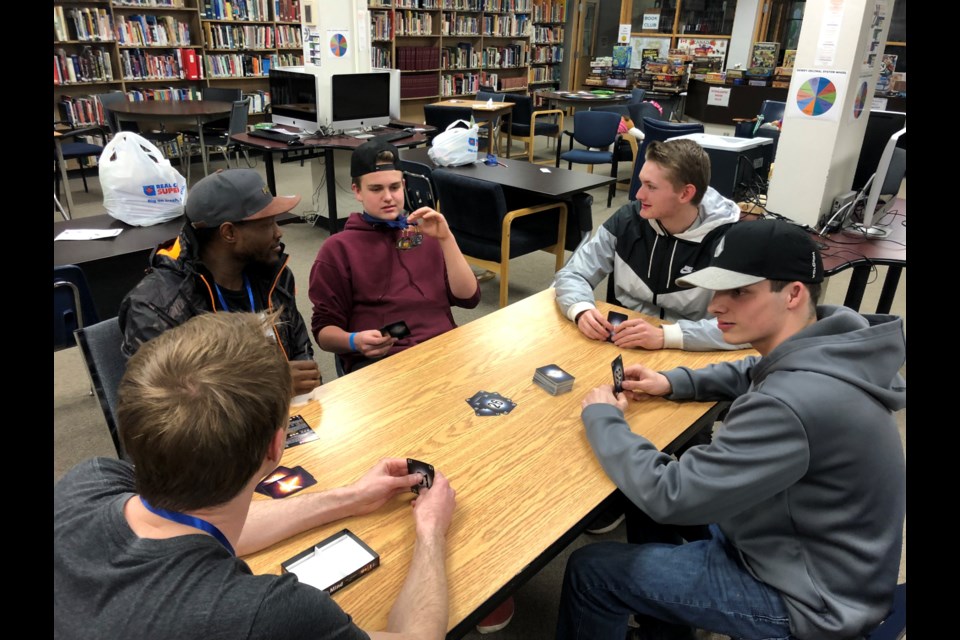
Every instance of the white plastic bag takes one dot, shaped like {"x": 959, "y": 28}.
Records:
{"x": 139, "y": 185}
{"x": 455, "y": 146}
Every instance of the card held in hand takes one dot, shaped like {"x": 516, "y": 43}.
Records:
{"x": 398, "y": 330}
{"x": 617, "y": 366}
{"x": 426, "y": 474}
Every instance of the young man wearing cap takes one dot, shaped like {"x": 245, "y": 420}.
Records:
{"x": 805, "y": 481}
{"x": 151, "y": 548}
{"x": 667, "y": 232}
{"x": 228, "y": 257}
{"x": 386, "y": 267}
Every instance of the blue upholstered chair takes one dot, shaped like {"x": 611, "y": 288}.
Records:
{"x": 73, "y": 305}
{"x": 657, "y": 130}
{"x": 527, "y": 123}
{"x": 489, "y": 233}
{"x": 894, "y": 626}
{"x": 419, "y": 189}
{"x": 100, "y": 346}
{"x": 598, "y": 131}
{"x": 76, "y": 145}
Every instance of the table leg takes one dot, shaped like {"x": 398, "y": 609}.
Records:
{"x": 858, "y": 284}
{"x": 203, "y": 147}
{"x": 331, "y": 180}
{"x": 509, "y": 131}
{"x": 890, "y": 284}
{"x": 64, "y": 178}
{"x": 271, "y": 175}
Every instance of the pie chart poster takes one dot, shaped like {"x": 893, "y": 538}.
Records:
{"x": 817, "y": 94}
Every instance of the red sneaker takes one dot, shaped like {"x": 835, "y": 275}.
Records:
{"x": 499, "y": 618}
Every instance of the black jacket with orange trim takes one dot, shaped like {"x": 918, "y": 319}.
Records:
{"x": 178, "y": 286}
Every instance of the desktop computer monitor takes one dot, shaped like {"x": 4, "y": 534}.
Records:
{"x": 293, "y": 98}
{"x": 880, "y": 126}
{"x": 364, "y": 100}
{"x": 885, "y": 181}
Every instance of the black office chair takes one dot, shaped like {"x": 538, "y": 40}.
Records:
{"x": 222, "y": 142}
{"x": 73, "y": 306}
{"x": 489, "y": 233}
{"x": 657, "y": 130}
{"x": 170, "y": 139}
{"x": 494, "y": 126}
{"x": 442, "y": 117}
{"x": 527, "y": 123}
{"x": 770, "y": 111}
{"x": 418, "y": 187}
{"x": 636, "y": 95}
{"x": 75, "y": 145}
{"x": 218, "y": 94}
{"x": 100, "y": 346}
{"x": 598, "y": 131}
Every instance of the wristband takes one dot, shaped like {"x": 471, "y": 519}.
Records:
{"x": 353, "y": 347}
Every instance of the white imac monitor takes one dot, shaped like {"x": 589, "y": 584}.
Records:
{"x": 364, "y": 100}
{"x": 293, "y": 98}
{"x": 885, "y": 180}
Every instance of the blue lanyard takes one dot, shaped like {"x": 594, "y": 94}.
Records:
{"x": 191, "y": 521}
{"x": 246, "y": 283}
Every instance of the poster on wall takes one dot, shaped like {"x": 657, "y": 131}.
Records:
{"x": 339, "y": 43}
{"x": 817, "y": 94}
{"x": 861, "y": 101}
{"x": 713, "y": 47}
{"x": 888, "y": 64}
{"x": 872, "y": 45}
{"x": 641, "y": 44}
{"x": 829, "y": 35}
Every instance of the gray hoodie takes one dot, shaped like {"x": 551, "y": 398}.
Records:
{"x": 806, "y": 478}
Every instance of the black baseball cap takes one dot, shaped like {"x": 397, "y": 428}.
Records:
{"x": 233, "y": 195}
{"x": 364, "y": 158}
{"x": 759, "y": 250}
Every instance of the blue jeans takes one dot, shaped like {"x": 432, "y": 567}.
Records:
{"x": 671, "y": 588}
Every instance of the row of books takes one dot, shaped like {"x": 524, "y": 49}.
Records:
{"x": 418, "y": 4}
{"x": 456, "y": 84}
{"x": 511, "y": 55}
{"x": 461, "y": 5}
{"x": 137, "y": 64}
{"x": 380, "y": 58}
{"x": 235, "y": 36}
{"x": 519, "y": 82}
{"x": 459, "y": 25}
{"x": 236, "y": 10}
{"x": 286, "y": 10}
{"x": 414, "y": 23}
{"x": 418, "y": 86}
{"x": 91, "y": 24}
{"x": 462, "y": 56}
{"x": 547, "y": 35}
{"x": 81, "y": 111}
{"x": 544, "y": 74}
{"x": 555, "y": 11}
{"x": 91, "y": 64}
{"x": 247, "y": 65}
{"x": 259, "y": 101}
{"x": 169, "y": 4}
{"x": 549, "y": 54}
{"x": 381, "y": 25}
{"x": 418, "y": 58}
{"x": 505, "y": 6}
{"x": 506, "y": 25}
{"x": 152, "y": 30}
{"x": 164, "y": 94}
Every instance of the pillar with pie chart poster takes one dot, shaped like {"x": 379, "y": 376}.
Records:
{"x": 341, "y": 36}
{"x": 824, "y": 116}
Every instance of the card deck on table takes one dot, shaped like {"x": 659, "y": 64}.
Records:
{"x": 298, "y": 478}
{"x": 553, "y": 379}
{"x": 398, "y": 329}
{"x": 298, "y": 432}
{"x": 485, "y": 403}
{"x": 617, "y": 366}
{"x": 426, "y": 472}
{"x": 615, "y": 319}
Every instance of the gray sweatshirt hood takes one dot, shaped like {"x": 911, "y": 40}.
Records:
{"x": 714, "y": 210}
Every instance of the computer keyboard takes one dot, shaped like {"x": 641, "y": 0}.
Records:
{"x": 390, "y": 136}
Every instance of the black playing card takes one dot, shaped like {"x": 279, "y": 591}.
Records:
{"x": 617, "y": 374}
{"x": 398, "y": 329}
{"x": 615, "y": 319}
{"x": 425, "y": 470}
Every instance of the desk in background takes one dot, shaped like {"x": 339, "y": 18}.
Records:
{"x": 115, "y": 265}
{"x": 560, "y": 99}
{"x": 527, "y": 482}
{"x": 845, "y": 252}
{"x": 484, "y": 113}
{"x": 318, "y": 147}
{"x": 194, "y": 112}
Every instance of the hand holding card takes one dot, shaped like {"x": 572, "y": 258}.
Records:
{"x": 398, "y": 330}
{"x": 617, "y": 366}
{"x": 426, "y": 473}
{"x": 615, "y": 319}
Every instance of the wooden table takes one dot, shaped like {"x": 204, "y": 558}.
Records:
{"x": 319, "y": 147}
{"x": 527, "y": 483}
{"x": 184, "y": 111}
{"x": 482, "y": 112}
{"x": 860, "y": 254}
{"x": 582, "y": 98}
